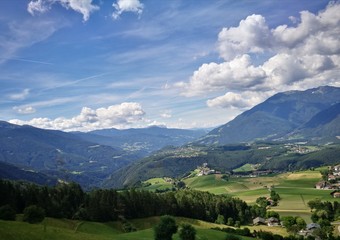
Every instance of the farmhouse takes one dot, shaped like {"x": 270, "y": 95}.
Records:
{"x": 335, "y": 194}
{"x": 259, "y": 221}
{"x": 331, "y": 177}
{"x": 322, "y": 185}
{"x": 336, "y": 168}
{"x": 205, "y": 170}
{"x": 273, "y": 222}
{"x": 312, "y": 226}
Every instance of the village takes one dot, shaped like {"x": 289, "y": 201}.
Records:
{"x": 330, "y": 180}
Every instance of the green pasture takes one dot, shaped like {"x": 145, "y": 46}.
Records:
{"x": 295, "y": 189}
{"x": 157, "y": 183}
{"x": 245, "y": 168}
{"x": 52, "y": 229}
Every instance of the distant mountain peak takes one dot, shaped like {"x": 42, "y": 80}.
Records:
{"x": 276, "y": 117}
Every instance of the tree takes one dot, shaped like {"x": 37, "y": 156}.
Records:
{"x": 230, "y": 221}
{"x": 7, "y": 213}
{"x": 300, "y": 222}
{"x": 187, "y": 232}
{"x": 274, "y": 214}
{"x": 166, "y": 228}
{"x": 220, "y": 219}
{"x": 34, "y": 214}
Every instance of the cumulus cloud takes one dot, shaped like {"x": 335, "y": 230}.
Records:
{"x": 301, "y": 56}
{"x": 241, "y": 100}
{"x": 251, "y": 36}
{"x": 121, "y": 6}
{"x": 117, "y": 116}
{"x": 85, "y": 7}
{"x": 236, "y": 74}
{"x": 20, "y": 96}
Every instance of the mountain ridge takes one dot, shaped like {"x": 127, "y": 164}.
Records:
{"x": 276, "y": 117}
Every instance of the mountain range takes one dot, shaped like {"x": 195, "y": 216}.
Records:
{"x": 41, "y": 155}
{"x": 113, "y": 157}
{"x": 309, "y": 114}
{"x": 142, "y": 141}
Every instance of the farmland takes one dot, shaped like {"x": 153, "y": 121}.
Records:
{"x": 295, "y": 189}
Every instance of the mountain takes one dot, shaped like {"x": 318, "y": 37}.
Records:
{"x": 9, "y": 171}
{"x": 142, "y": 140}
{"x": 59, "y": 154}
{"x": 325, "y": 124}
{"x": 312, "y": 115}
{"x": 282, "y": 116}
{"x": 179, "y": 162}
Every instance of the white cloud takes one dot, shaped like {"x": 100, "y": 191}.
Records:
{"x": 20, "y": 96}
{"x": 251, "y": 36}
{"x": 121, "y": 6}
{"x": 241, "y": 101}
{"x": 117, "y": 116}
{"x": 236, "y": 74}
{"x": 166, "y": 114}
{"x": 24, "y": 109}
{"x": 37, "y": 6}
{"x": 297, "y": 57}
{"x": 84, "y": 7}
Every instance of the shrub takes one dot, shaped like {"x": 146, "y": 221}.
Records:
{"x": 34, "y": 214}
{"x": 187, "y": 232}
{"x": 232, "y": 237}
{"x": 7, "y": 213}
{"x": 166, "y": 228}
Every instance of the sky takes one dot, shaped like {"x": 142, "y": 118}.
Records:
{"x": 81, "y": 65}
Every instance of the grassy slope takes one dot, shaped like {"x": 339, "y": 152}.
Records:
{"x": 295, "y": 189}
{"x": 76, "y": 230}
{"x": 245, "y": 168}
{"x": 158, "y": 183}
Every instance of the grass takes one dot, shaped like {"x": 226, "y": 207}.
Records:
{"x": 245, "y": 168}
{"x": 52, "y": 229}
{"x": 157, "y": 183}
{"x": 295, "y": 189}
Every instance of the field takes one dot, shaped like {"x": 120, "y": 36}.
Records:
{"x": 157, "y": 183}
{"x": 295, "y": 189}
{"x": 75, "y": 230}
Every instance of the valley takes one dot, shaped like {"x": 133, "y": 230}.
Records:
{"x": 117, "y": 184}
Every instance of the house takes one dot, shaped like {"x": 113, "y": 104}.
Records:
{"x": 336, "y": 168}
{"x": 312, "y": 226}
{"x": 335, "y": 194}
{"x": 259, "y": 221}
{"x": 308, "y": 231}
{"x": 331, "y": 177}
{"x": 273, "y": 222}
{"x": 322, "y": 185}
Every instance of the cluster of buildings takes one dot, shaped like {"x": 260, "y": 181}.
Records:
{"x": 332, "y": 182}
{"x": 205, "y": 170}
{"x": 300, "y": 148}
{"x": 272, "y": 222}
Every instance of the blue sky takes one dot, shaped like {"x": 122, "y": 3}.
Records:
{"x": 85, "y": 65}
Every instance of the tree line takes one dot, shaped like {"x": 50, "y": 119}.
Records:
{"x": 70, "y": 201}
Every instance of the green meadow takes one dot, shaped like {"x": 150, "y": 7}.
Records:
{"x": 52, "y": 229}
{"x": 295, "y": 189}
